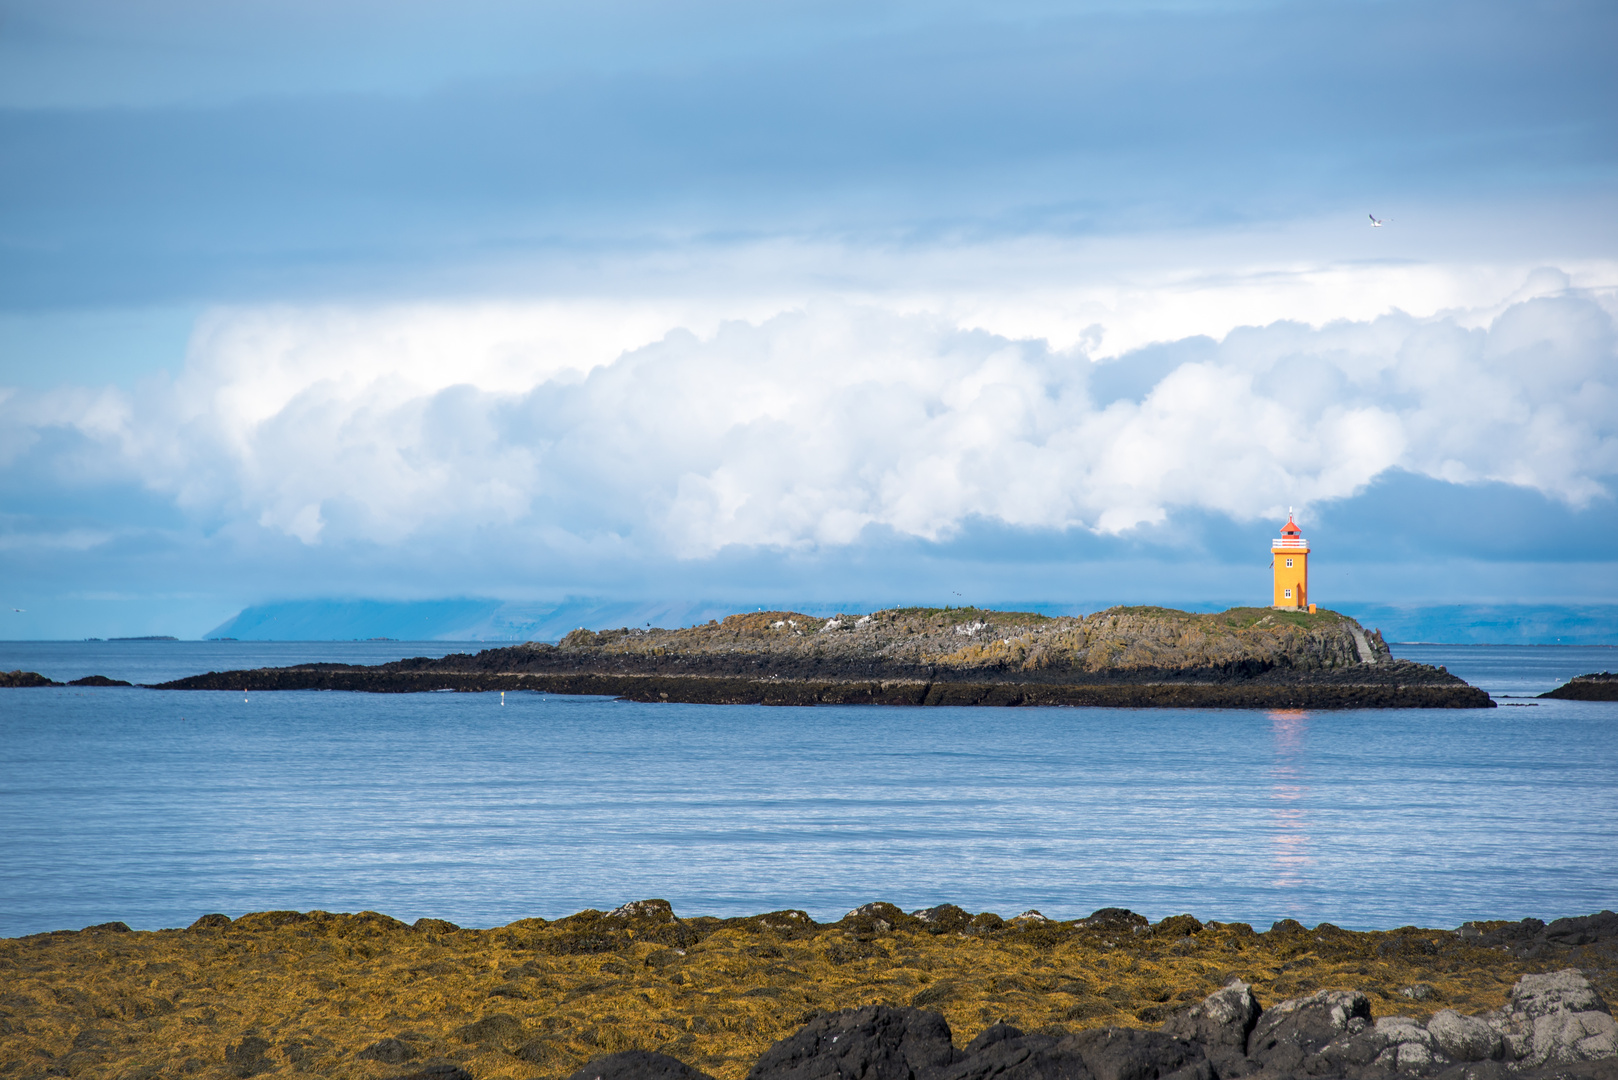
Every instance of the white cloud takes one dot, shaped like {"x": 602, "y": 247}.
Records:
{"x": 807, "y": 427}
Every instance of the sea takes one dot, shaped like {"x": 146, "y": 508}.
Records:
{"x": 155, "y": 807}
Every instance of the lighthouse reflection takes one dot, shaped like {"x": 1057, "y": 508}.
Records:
{"x": 1289, "y": 730}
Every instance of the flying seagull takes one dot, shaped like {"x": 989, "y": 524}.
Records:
{"x": 1376, "y": 222}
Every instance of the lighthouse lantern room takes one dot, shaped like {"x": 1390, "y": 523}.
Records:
{"x": 1291, "y": 565}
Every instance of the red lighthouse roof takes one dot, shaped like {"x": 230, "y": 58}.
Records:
{"x": 1290, "y": 529}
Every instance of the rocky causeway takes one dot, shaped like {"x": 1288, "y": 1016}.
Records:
{"x": 641, "y": 993}
{"x": 1123, "y": 656}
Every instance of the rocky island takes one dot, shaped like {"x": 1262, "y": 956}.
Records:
{"x": 1597, "y": 686}
{"x": 1123, "y": 656}
{"x": 642, "y": 993}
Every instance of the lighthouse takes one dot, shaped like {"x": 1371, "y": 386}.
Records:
{"x": 1291, "y": 565}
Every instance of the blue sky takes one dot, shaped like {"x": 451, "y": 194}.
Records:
{"x": 801, "y": 302}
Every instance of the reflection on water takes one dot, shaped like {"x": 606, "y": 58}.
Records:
{"x": 1289, "y": 816}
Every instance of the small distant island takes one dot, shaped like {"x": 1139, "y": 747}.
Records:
{"x": 1597, "y": 686}
{"x": 1123, "y": 656}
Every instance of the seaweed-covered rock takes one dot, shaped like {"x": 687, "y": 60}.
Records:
{"x": 638, "y": 1065}
{"x": 494, "y": 1029}
{"x": 436, "y": 1070}
{"x": 248, "y": 1057}
{"x": 388, "y": 1051}
{"x": 25, "y": 679}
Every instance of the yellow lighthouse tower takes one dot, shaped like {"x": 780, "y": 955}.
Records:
{"x": 1291, "y": 565}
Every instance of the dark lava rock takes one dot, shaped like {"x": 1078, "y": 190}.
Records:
{"x": 109, "y": 928}
{"x": 434, "y": 926}
{"x": 388, "y": 1052}
{"x": 1532, "y": 938}
{"x": 876, "y": 918}
{"x": 210, "y": 922}
{"x": 1115, "y": 918}
{"x": 1288, "y": 1033}
{"x": 873, "y": 1043}
{"x": 1002, "y": 1052}
{"x": 654, "y": 911}
{"x": 1554, "y": 1027}
{"x": 945, "y": 918}
{"x": 1221, "y": 1022}
{"x": 1583, "y": 930}
{"x": 638, "y": 1065}
{"x": 97, "y": 680}
{"x": 1130, "y": 1054}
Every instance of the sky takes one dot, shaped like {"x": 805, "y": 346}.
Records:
{"x": 798, "y": 303}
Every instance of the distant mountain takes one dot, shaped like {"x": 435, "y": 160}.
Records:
{"x": 463, "y": 619}
{"x": 483, "y": 619}
{"x": 1491, "y": 624}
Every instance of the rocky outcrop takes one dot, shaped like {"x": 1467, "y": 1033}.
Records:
{"x": 25, "y": 678}
{"x": 1532, "y": 938}
{"x": 33, "y": 678}
{"x": 1553, "y": 1026}
{"x": 1122, "y": 657}
{"x": 1598, "y": 686}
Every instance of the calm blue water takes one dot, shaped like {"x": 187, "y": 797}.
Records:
{"x": 156, "y": 807}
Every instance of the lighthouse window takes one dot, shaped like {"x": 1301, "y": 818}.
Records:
{"x": 1289, "y": 564}
{"x": 1289, "y": 594}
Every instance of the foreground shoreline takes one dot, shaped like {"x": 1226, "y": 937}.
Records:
{"x": 333, "y": 995}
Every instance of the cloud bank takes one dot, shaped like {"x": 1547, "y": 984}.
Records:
{"x": 815, "y": 428}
